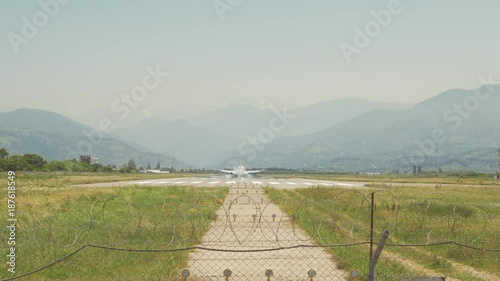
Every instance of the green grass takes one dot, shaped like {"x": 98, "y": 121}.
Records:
{"x": 53, "y": 223}
{"x": 397, "y": 178}
{"x": 413, "y": 215}
{"x": 65, "y": 179}
{"x": 55, "y": 219}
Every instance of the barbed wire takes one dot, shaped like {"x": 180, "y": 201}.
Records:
{"x": 235, "y": 251}
{"x": 267, "y": 228}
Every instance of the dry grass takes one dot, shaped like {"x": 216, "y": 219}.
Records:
{"x": 54, "y": 222}
{"x": 414, "y": 215}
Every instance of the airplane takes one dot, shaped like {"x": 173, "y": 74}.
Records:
{"x": 240, "y": 171}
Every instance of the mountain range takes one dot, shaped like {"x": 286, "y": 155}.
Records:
{"x": 209, "y": 139}
{"x": 455, "y": 130}
{"x": 56, "y": 137}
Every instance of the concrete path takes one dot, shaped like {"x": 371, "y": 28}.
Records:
{"x": 247, "y": 221}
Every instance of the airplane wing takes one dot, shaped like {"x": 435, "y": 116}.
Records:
{"x": 253, "y": 172}
{"x": 227, "y": 171}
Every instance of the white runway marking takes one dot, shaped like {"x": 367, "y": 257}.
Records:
{"x": 230, "y": 182}
{"x": 195, "y": 182}
{"x": 291, "y": 183}
{"x": 163, "y": 182}
{"x": 214, "y": 182}
{"x": 256, "y": 182}
{"x": 327, "y": 184}
{"x": 144, "y": 182}
{"x": 273, "y": 182}
{"x": 178, "y": 182}
{"x": 308, "y": 183}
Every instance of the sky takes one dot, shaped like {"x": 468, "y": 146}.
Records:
{"x": 85, "y": 55}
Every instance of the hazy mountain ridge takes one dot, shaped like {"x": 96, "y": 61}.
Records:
{"x": 41, "y": 120}
{"x": 244, "y": 118}
{"x": 56, "y": 137}
{"x": 235, "y": 121}
{"x": 212, "y": 137}
{"x": 181, "y": 140}
{"x": 380, "y": 137}
{"x": 376, "y": 139}
{"x": 323, "y": 115}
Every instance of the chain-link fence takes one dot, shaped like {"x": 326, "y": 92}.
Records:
{"x": 255, "y": 233}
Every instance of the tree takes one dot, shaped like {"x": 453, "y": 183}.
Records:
{"x": 419, "y": 169}
{"x": 4, "y": 153}
{"x": 131, "y": 165}
{"x": 414, "y": 169}
{"x": 15, "y": 163}
{"x": 55, "y": 165}
{"x": 148, "y": 167}
{"x": 33, "y": 161}
{"x": 158, "y": 166}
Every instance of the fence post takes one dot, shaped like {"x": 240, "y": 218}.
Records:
{"x": 376, "y": 256}
{"x": 371, "y": 224}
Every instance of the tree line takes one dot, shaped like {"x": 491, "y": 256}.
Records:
{"x": 35, "y": 162}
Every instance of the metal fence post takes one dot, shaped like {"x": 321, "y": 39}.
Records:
{"x": 376, "y": 256}
{"x": 372, "y": 210}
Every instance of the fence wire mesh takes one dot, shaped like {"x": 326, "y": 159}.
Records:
{"x": 254, "y": 233}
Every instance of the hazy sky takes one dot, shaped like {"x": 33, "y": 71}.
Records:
{"x": 88, "y": 53}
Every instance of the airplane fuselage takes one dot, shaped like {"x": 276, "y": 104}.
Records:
{"x": 240, "y": 171}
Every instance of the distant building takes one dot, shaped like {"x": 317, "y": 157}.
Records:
{"x": 89, "y": 159}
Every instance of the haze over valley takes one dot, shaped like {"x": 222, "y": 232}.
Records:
{"x": 341, "y": 135}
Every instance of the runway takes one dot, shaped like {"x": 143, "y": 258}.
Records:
{"x": 215, "y": 181}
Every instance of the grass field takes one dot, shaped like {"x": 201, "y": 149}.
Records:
{"x": 53, "y": 223}
{"x": 413, "y": 215}
{"x": 398, "y": 178}
{"x": 55, "y": 219}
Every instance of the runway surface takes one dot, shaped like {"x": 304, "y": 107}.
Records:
{"x": 232, "y": 182}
